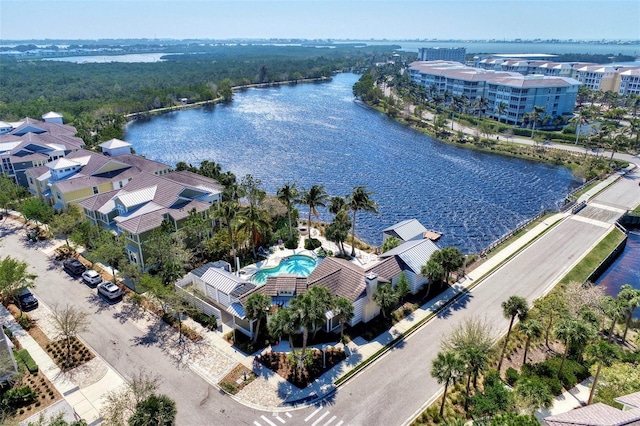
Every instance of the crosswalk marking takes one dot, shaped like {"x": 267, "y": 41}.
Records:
{"x": 312, "y": 414}
{"x": 288, "y": 414}
{"x": 319, "y": 419}
{"x": 330, "y": 420}
{"x": 339, "y": 423}
{"x": 268, "y": 421}
{"x": 257, "y": 424}
{"x": 278, "y": 418}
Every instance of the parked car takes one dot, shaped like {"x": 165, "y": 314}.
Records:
{"x": 26, "y": 300}
{"x": 73, "y": 266}
{"x": 91, "y": 277}
{"x": 109, "y": 290}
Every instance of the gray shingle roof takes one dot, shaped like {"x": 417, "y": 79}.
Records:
{"x": 632, "y": 400}
{"x": 598, "y": 414}
{"x": 341, "y": 277}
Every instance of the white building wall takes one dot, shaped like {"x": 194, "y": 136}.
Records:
{"x": 358, "y": 312}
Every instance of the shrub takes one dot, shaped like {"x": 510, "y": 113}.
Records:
{"x": 511, "y": 376}
{"x": 312, "y": 243}
{"x": 8, "y": 332}
{"x": 24, "y": 357}
{"x": 25, "y": 321}
{"x": 291, "y": 243}
{"x": 19, "y": 397}
{"x": 209, "y": 322}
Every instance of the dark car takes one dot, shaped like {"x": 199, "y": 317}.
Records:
{"x": 26, "y": 300}
{"x": 73, "y": 266}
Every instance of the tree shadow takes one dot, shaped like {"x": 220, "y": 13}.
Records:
{"x": 101, "y": 303}
{"x": 446, "y": 308}
{"x": 130, "y": 311}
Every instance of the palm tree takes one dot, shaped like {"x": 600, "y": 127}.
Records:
{"x": 476, "y": 360}
{"x": 513, "y": 307}
{"x": 254, "y": 219}
{"x": 288, "y": 195}
{"x": 630, "y": 297}
{"x": 343, "y": 309}
{"x": 283, "y": 323}
{"x": 534, "y": 117}
{"x": 551, "y": 306}
{"x": 337, "y": 204}
{"x": 255, "y": 309}
{"x": 532, "y": 394}
{"x": 359, "y": 200}
{"x": 321, "y": 302}
{"x": 584, "y": 117}
{"x": 433, "y": 272}
{"x": 227, "y": 212}
{"x": 574, "y": 334}
{"x": 302, "y": 315}
{"x": 315, "y": 197}
{"x": 447, "y": 368}
{"x": 501, "y": 108}
{"x": 386, "y": 298}
{"x": 604, "y": 354}
{"x": 614, "y": 309}
{"x": 532, "y": 329}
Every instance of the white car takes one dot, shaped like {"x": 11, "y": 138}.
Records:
{"x": 109, "y": 290}
{"x": 91, "y": 277}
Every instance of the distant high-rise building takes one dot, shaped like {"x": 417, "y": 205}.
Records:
{"x": 457, "y": 54}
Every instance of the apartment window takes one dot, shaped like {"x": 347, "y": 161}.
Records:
{"x": 95, "y": 189}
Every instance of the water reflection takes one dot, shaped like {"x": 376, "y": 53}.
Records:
{"x": 317, "y": 134}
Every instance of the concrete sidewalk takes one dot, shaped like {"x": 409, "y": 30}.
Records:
{"x": 573, "y": 398}
{"x": 84, "y": 396}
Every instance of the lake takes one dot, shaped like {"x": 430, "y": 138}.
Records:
{"x": 316, "y": 134}
{"x": 624, "y": 270}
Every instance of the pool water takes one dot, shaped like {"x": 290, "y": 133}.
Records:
{"x": 297, "y": 265}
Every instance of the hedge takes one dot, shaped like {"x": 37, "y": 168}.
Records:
{"x": 24, "y": 357}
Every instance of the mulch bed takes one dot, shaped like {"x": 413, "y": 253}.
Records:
{"x": 58, "y": 352}
{"x": 279, "y": 363}
{"x": 237, "y": 379}
{"x": 46, "y": 395}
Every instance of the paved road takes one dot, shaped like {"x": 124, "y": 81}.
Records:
{"x": 389, "y": 391}
{"x": 123, "y": 345}
{"x": 395, "y": 388}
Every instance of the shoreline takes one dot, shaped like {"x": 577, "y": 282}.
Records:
{"x": 158, "y": 111}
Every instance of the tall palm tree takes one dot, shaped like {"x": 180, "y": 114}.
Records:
{"x": 283, "y": 323}
{"x": 227, "y": 212}
{"x": 476, "y": 360}
{"x": 447, "y": 368}
{"x": 574, "y": 334}
{"x": 630, "y": 297}
{"x": 315, "y": 197}
{"x": 614, "y": 309}
{"x": 255, "y": 309}
{"x": 584, "y": 117}
{"x": 513, "y": 307}
{"x": 337, "y": 204}
{"x": 343, "y": 309}
{"x": 532, "y": 329}
{"x": 551, "y": 306}
{"x": 501, "y": 108}
{"x": 254, "y": 219}
{"x": 532, "y": 394}
{"x": 321, "y": 302}
{"x": 604, "y": 354}
{"x": 534, "y": 117}
{"x": 360, "y": 199}
{"x": 288, "y": 195}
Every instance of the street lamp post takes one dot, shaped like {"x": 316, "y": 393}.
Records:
{"x": 324, "y": 356}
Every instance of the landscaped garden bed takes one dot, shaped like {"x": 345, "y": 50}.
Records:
{"x": 282, "y": 364}
{"x": 80, "y": 354}
{"x": 237, "y": 379}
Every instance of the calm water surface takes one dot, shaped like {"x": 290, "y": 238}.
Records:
{"x": 316, "y": 134}
{"x": 625, "y": 269}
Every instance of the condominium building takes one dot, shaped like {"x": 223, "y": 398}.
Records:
{"x": 29, "y": 142}
{"x": 630, "y": 82}
{"x": 506, "y": 95}
{"x": 457, "y": 54}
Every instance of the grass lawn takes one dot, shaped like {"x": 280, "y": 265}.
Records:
{"x": 591, "y": 261}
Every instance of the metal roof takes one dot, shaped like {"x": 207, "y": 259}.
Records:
{"x": 414, "y": 254}
{"x": 237, "y": 309}
{"x": 406, "y": 230}
{"x": 134, "y": 198}
{"x": 223, "y": 280}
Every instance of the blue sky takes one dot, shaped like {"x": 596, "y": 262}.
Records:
{"x": 338, "y": 19}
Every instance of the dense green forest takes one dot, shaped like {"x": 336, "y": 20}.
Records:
{"x": 29, "y": 88}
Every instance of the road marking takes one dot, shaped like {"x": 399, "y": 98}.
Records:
{"x": 257, "y": 424}
{"x": 268, "y": 421}
{"x": 288, "y": 414}
{"x": 340, "y": 423}
{"x": 280, "y": 419}
{"x": 320, "y": 418}
{"x": 312, "y": 414}
{"x": 330, "y": 420}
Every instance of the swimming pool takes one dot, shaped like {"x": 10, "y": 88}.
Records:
{"x": 297, "y": 265}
